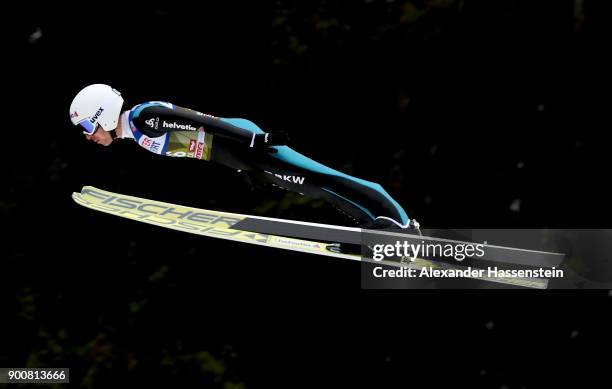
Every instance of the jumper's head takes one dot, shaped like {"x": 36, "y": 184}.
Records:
{"x": 96, "y": 107}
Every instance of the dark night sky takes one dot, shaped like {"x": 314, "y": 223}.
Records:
{"x": 459, "y": 110}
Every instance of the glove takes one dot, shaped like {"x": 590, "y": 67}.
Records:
{"x": 279, "y": 138}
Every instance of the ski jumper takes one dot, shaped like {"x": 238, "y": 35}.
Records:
{"x": 239, "y": 144}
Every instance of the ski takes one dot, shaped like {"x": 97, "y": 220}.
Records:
{"x": 209, "y": 223}
{"x": 322, "y": 238}
{"x": 494, "y": 253}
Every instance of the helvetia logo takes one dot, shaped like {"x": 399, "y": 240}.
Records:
{"x": 174, "y": 125}
{"x": 96, "y": 116}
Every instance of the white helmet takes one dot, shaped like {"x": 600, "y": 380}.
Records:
{"x": 96, "y": 104}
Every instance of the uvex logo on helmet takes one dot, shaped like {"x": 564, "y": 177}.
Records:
{"x": 97, "y": 115}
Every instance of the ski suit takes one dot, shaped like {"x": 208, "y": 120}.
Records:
{"x": 167, "y": 129}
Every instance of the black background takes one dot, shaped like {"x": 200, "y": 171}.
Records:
{"x": 458, "y": 108}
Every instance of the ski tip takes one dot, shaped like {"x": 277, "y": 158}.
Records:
{"x": 88, "y": 187}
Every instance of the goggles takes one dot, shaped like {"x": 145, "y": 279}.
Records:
{"x": 88, "y": 127}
